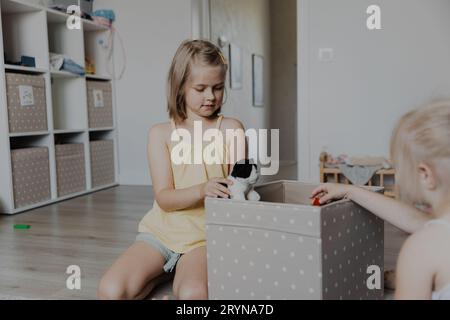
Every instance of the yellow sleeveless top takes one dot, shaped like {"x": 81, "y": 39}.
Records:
{"x": 184, "y": 230}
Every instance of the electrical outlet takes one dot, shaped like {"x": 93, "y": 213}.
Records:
{"x": 326, "y": 54}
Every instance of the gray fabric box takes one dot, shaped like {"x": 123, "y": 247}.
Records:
{"x": 31, "y": 176}
{"x": 27, "y": 106}
{"x": 102, "y": 162}
{"x": 99, "y": 95}
{"x": 70, "y": 168}
{"x": 284, "y": 248}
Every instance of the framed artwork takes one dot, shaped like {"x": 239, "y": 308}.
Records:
{"x": 258, "y": 80}
{"x": 236, "y": 72}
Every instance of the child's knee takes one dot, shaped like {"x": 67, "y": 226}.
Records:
{"x": 192, "y": 292}
{"x": 111, "y": 289}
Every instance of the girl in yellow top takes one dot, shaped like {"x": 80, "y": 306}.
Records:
{"x": 172, "y": 236}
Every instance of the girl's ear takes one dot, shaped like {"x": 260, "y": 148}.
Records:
{"x": 427, "y": 176}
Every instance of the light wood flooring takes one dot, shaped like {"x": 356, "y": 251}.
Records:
{"x": 89, "y": 231}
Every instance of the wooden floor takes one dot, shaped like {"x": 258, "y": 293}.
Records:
{"x": 89, "y": 231}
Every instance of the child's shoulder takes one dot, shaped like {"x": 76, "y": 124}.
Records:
{"x": 160, "y": 130}
{"x": 425, "y": 244}
{"x": 231, "y": 123}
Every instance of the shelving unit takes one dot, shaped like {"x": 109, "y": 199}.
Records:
{"x": 382, "y": 178}
{"x": 36, "y": 31}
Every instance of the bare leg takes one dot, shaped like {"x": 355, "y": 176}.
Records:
{"x": 190, "y": 281}
{"x": 152, "y": 285}
{"x": 134, "y": 274}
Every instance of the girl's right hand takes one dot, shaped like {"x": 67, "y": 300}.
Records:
{"x": 331, "y": 191}
{"x": 214, "y": 189}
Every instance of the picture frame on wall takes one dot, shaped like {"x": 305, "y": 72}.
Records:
{"x": 236, "y": 66}
{"x": 258, "y": 80}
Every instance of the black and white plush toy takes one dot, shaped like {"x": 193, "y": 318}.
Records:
{"x": 244, "y": 177}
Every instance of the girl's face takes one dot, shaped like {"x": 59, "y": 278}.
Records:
{"x": 204, "y": 90}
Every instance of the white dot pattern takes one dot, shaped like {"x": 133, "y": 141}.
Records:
{"x": 102, "y": 162}
{"x": 70, "y": 168}
{"x": 99, "y": 117}
{"x": 31, "y": 117}
{"x": 354, "y": 242}
{"x": 31, "y": 176}
{"x": 252, "y": 263}
{"x": 287, "y": 252}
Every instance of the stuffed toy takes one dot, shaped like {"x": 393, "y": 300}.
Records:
{"x": 244, "y": 176}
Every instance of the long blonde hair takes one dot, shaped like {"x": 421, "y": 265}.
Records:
{"x": 421, "y": 136}
{"x": 190, "y": 51}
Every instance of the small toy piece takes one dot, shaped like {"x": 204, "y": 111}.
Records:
{"x": 316, "y": 202}
{"x": 22, "y": 226}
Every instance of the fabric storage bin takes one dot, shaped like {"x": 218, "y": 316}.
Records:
{"x": 31, "y": 176}
{"x": 70, "y": 168}
{"x": 99, "y": 95}
{"x": 27, "y": 107}
{"x": 284, "y": 248}
{"x": 102, "y": 162}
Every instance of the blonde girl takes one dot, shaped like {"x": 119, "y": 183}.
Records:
{"x": 420, "y": 150}
{"x": 171, "y": 236}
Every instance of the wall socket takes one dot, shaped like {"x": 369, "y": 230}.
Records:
{"x": 326, "y": 54}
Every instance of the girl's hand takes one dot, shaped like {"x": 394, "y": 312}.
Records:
{"x": 214, "y": 189}
{"x": 331, "y": 191}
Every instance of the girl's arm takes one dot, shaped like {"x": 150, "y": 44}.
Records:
{"x": 399, "y": 214}
{"x": 414, "y": 273}
{"x": 167, "y": 197}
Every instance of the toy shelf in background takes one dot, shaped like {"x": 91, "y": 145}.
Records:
{"x": 62, "y": 124}
{"x": 330, "y": 171}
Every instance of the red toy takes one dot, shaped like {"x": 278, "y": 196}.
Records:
{"x": 316, "y": 202}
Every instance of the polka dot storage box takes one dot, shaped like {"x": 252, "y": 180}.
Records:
{"x": 31, "y": 176}
{"x": 27, "y": 107}
{"x": 99, "y": 96}
{"x": 70, "y": 168}
{"x": 282, "y": 247}
{"x": 102, "y": 162}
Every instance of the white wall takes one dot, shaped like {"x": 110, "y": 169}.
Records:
{"x": 284, "y": 75}
{"x": 351, "y": 104}
{"x": 151, "y": 32}
{"x": 247, "y": 25}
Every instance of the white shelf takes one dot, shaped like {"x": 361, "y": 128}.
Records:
{"x": 62, "y": 40}
{"x": 55, "y": 16}
{"x": 11, "y": 67}
{"x": 98, "y": 77}
{"x": 101, "y": 129}
{"x": 63, "y": 198}
{"x": 69, "y": 131}
{"x": 23, "y": 29}
{"x": 29, "y": 134}
{"x": 61, "y": 74}
{"x": 32, "y": 30}
{"x": 68, "y": 95}
{"x": 17, "y": 6}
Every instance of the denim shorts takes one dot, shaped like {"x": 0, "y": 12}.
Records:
{"x": 170, "y": 256}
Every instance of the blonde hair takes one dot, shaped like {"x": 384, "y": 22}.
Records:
{"x": 189, "y": 52}
{"x": 421, "y": 136}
